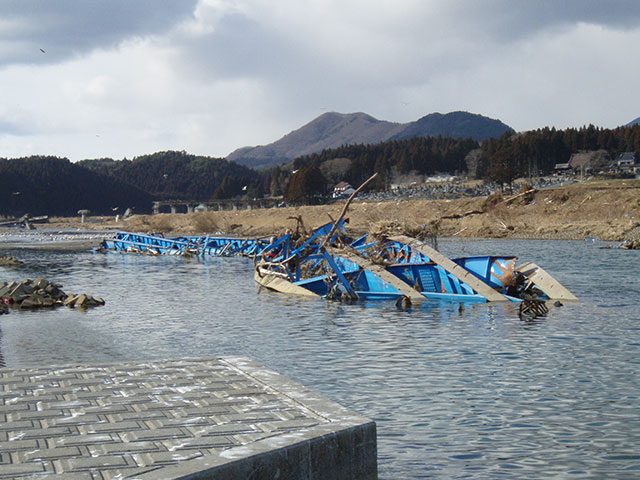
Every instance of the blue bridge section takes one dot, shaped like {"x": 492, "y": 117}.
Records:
{"x": 190, "y": 245}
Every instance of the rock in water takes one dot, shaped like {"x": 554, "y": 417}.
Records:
{"x": 9, "y": 261}
{"x": 40, "y": 293}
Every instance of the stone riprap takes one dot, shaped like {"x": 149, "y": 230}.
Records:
{"x": 41, "y": 293}
{"x": 9, "y": 261}
{"x": 222, "y": 418}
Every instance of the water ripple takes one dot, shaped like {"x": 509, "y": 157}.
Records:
{"x": 471, "y": 394}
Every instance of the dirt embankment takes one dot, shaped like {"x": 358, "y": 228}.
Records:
{"x": 607, "y": 210}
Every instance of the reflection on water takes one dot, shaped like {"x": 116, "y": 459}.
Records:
{"x": 471, "y": 392}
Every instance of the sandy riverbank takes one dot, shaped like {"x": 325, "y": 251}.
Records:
{"x": 607, "y": 210}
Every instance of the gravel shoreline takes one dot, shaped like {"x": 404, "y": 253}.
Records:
{"x": 51, "y": 239}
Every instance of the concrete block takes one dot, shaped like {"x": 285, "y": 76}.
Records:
{"x": 137, "y": 424}
{"x": 39, "y": 283}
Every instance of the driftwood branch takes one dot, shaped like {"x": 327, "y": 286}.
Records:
{"x": 460, "y": 215}
{"x": 344, "y": 210}
{"x": 522, "y": 194}
{"x": 454, "y": 216}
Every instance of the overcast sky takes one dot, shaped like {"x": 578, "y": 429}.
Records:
{"x": 122, "y": 78}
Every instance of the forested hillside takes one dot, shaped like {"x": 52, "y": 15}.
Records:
{"x": 178, "y": 175}
{"x": 455, "y": 125}
{"x": 521, "y": 154}
{"x": 55, "y": 186}
{"x": 424, "y": 156}
{"x": 499, "y": 160}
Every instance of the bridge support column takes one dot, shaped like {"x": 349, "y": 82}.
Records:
{"x": 189, "y": 208}
{"x": 174, "y": 209}
{"x": 156, "y": 208}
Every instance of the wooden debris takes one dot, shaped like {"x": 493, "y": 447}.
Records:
{"x": 545, "y": 282}
{"x": 630, "y": 245}
{"x": 300, "y": 228}
{"x": 455, "y": 216}
{"x": 344, "y": 210}
{"x": 530, "y": 309}
{"x": 454, "y": 269}
{"x": 24, "y": 221}
{"x": 526, "y": 193}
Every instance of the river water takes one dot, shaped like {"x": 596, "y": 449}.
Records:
{"x": 456, "y": 392}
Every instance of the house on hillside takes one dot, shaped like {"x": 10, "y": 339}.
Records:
{"x": 343, "y": 189}
{"x": 627, "y": 162}
{"x": 585, "y": 162}
{"x": 589, "y": 161}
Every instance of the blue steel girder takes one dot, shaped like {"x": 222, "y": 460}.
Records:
{"x": 341, "y": 278}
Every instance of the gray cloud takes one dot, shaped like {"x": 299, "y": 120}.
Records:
{"x": 517, "y": 19}
{"x": 68, "y": 28}
{"x": 214, "y": 75}
{"x": 238, "y": 47}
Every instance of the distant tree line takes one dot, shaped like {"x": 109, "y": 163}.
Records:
{"x": 55, "y": 186}
{"x": 499, "y": 160}
{"x": 538, "y": 151}
{"x": 177, "y": 175}
{"x": 44, "y": 185}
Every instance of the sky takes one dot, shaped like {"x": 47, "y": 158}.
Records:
{"x": 121, "y": 78}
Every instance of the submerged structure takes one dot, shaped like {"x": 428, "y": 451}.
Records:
{"x": 327, "y": 263}
{"x": 156, "y": 244}
{"x": 399, "y": 268}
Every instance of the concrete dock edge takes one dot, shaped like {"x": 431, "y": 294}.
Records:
{"x": 218, "y": 418}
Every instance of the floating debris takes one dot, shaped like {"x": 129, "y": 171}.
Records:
{"x": 531, "y": 309}
{"x": 631, "y": 244}
{"x": 387, "y": 265}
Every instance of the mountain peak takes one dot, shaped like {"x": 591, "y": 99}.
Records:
{"x": 334, "y": 129}
{"x": 458, "y": 124}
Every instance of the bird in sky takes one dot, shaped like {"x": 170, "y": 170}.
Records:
{"x": 42, "y": 50}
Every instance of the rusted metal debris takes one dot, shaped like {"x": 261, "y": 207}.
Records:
{"x": 531, "y": 309}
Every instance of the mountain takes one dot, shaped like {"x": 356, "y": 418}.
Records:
{"x": 333, "y": 130}
{"x": 634, "y": 122}
{"x": 329, "y": 130}
{"x": 456, "y": 125}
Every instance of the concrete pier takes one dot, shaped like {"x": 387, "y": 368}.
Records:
{"x": 219, "y": 418}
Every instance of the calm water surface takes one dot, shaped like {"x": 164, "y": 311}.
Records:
{"x": 456, "y": 393}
